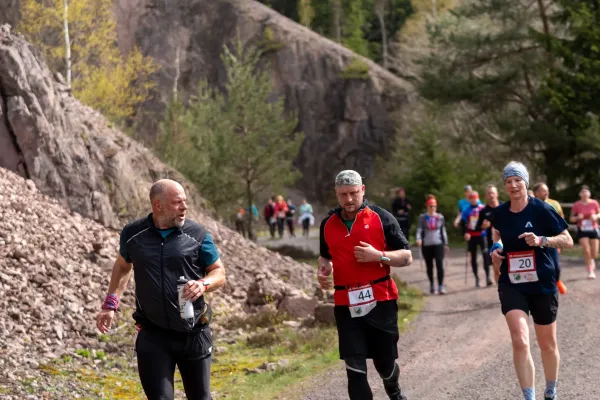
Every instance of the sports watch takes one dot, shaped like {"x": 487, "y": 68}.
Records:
{"x": 383, "y": 257}
{"x": 543, "y": 241}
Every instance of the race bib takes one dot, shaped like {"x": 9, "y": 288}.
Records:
{"x": 281, "y": 214}
{"x": 473, "y": 222}
{"x": 521, "y": 267}
{"x": 361, "y": 301}
{"x": 587, "y": 225}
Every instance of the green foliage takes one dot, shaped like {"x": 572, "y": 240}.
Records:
{"x": 269, "y": 43}
{"x": 491, "y": 62}
{"x": 359, "y": 25}
{"x": 235, "y": 145}
{"x": 356, "y": 69}
{"x": 86, "y": 353}
{"x": 306, "y": 12}
{"x": 426, "y": 165}
{"x": 102, "y": 77}
{"x": 572, "y": 90}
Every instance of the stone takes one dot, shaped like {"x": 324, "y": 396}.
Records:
{"x": 298, "y": 306}
{"x": 324, "y": 313}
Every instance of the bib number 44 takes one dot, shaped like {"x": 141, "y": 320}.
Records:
{"x": 361, "y": 301}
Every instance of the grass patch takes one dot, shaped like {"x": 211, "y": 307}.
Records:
{"x": 356, "y": 69}
{"x": 305, "y": 351}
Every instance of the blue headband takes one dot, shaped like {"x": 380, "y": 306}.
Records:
{"x": 514, "y": 168}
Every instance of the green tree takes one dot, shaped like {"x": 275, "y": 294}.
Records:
{"x": 306, "y": 12}
{"x": 101, "y": 76}
{"x": 572, "y": 90}
{"x": 426, "y": 164}
{"x": 487, "y": 64}
{"x": 234, "y": 145}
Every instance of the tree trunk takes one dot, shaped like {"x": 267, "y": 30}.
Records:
{"x": 380, "y": 11}
{"x": 67, "y": 40}
{"x": 337, "y": 11}
{"x": 177, "y": 73}
{"x": 250, "y": 201}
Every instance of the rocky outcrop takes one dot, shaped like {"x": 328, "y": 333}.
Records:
{"x": 346, "y": 122}
{"x": 71, "y": 153}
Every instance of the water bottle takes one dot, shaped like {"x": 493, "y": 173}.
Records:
{"x": 186, "y": 307}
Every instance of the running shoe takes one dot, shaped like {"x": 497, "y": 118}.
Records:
{"x": 397, "y": 396}
{"x": 442, "y": 290}
{"x": 489, "y": 282}
{"x": 477, "y": 284}
{"x": 431, "y": 290}
{"x": 549, "y": 397}
{"x": 591, "y": 275}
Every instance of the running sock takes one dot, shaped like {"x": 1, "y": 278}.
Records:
{"x": 550, "y": 389}
{"x": 529, "y": 393}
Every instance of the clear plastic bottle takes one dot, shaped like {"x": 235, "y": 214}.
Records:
{"x": 186, "y": 307}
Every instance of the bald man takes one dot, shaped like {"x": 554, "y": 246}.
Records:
{"x": 168, "y": 252}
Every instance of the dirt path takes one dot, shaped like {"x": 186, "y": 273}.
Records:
{"x": 459, "y": 347}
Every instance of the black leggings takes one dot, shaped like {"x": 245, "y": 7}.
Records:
{"x": 434, "y": 252}
{"x": 305, "y": 226}
{"x": 157, "y": 355}
{"x": 358, "y": 385}
{"x": 290, "y": 224}
{"x": 480, "y": 241}
{"x": 280, "y": 226}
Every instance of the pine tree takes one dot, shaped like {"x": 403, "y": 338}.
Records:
{"x": 247, "y": 138}
{"x": 572, "y": 90}
{"x": 488, "y": 64}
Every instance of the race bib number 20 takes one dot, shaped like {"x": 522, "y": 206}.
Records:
{"x": 521, "y": 267}
{"x": 361, "y": 301}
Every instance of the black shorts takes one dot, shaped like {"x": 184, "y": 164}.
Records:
{"x": 542, "y": 307}
{"x": 373, "y": 336}
{"x": 587, "y": 234}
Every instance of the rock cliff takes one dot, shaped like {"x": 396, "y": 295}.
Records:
{"x": 346, "y": 122}
{"x": 71, "y": 154}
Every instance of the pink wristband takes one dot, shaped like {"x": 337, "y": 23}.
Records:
{"x": 111, "y": 302}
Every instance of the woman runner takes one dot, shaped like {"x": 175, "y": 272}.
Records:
{"x": 525, "y": 231}
{"x": 433, "y": 240}
{"x": 585, "y": 213}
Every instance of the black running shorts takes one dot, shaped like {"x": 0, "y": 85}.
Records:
{"x": 587, "y": 234}
{"x": 374, "y": 335}
{"x": 542, "y": 307}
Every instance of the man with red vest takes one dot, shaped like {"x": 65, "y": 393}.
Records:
{"x": 359, "y": 244}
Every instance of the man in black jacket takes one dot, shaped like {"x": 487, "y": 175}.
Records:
{"x": 401, "y": 208}
{"x": 167, "y": 251}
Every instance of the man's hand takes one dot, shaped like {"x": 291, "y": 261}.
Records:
{"x": 325, "y": 269}
{"x": 485, "y": 224}
{"x": 467, "y": 237}
{"x": 366, "y": 253}
{"x": 104, "y": 320}
{"x": 400, "y": 212}
{"x": 447, "y": 249}
{"x": 531, "y": 239}
{"x": 497, "y": 258}
{"x": 419, "y": 243}
{"x": 193, "y": 290}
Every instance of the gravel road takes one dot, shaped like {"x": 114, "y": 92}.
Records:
{"x": 459, "y": 346}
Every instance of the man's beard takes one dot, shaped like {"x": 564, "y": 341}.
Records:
{"x": 174, "y": 222}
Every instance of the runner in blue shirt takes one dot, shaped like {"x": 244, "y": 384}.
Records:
{"x": 526, "y": 230}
